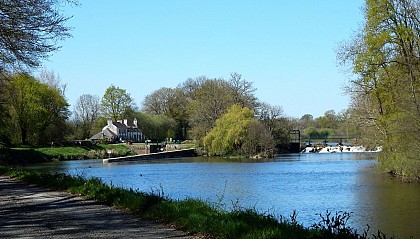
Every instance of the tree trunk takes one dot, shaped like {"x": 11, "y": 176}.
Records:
{"x": 24, "y": 134}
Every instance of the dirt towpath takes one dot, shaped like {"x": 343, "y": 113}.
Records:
{"x": 32, "y": 212}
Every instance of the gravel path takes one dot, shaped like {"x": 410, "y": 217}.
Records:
{"x": 32, "y": 212}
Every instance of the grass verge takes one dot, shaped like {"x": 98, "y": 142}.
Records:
{"x": 191, "y": 215}
{"x": 25, "y": 155}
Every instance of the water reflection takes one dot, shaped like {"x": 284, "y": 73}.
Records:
{"x": 309, "y": 183}
{"x": 392, "y": 206}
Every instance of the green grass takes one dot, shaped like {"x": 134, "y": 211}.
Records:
{"x": 93, "y": 151}
{"x": 62, "y": 151}
{"x": 191, "y": 215}
{"x": 25, "y": 155}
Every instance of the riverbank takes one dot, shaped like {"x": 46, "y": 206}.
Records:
{"x": 28, "y": 155}
{"x": 33, "y": 212}
{"x": 195, "y": 216}
{"x": 160, "y": 155}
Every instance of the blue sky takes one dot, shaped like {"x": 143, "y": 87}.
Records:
{"x": 286, "y": 48}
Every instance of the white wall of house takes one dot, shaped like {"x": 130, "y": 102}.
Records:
{"x": 126, "y": 133}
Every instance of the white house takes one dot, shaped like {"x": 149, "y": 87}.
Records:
{"x": 120, "y": 131}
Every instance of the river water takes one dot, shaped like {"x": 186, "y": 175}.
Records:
{"x": 308, "y": 183}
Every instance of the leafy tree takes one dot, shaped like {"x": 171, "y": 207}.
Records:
{"x": 330, "y": 124}
{"x": 229, "y": 132}
{"x": 155, "y": 127}
{"x": 34, "y": 107}
{"x": 281, "y": 131}
{"x": 164, "y": 127}
{"x": 311, "y": 132}
{"x": 59, "y": 128}
{"x": 385, "y": 57}
{"x": 329, "y": 120}
{"x": 324, "y": 133}
{"x": 5, "y": 129}
{"x": 274, "y": 121}
{"x": 269, "y": 114}
{"x": 158, "y": 102}
{"x": 347, "y": 126}
{"x": 209, "y": 101}
{"x": 116, "y": 103}
{"x": 29, "y": 31}
{"x": 86, "y": 113}
{"x": 5, "y": 134}
{"x": 171, "y": 103}
{"x": 307, "y": 121}
{"x": 258, "y": 140}
{"x": 197, "y": 103}
{"x": 211, "y": 98}
{"x": 178, "y": 110}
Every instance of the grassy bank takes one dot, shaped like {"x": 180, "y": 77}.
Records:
{"x": 25, "y": 155}
{"x": 194, "y": 216}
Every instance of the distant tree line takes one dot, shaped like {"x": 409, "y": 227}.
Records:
{"x": 224, "y": 116}
{"x": 34, "y": 110}
{"x": 201, "y": 108}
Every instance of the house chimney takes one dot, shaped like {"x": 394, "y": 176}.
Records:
{"x": 135, "y": 122}
{"x": 109, "y": 122}
{"x": 125, "y": 122}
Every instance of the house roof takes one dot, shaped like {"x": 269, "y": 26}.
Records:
{"x": 107, "y": 131}
{"x": 103, "y": 134}
{"x": 120, "y": 125}
{"x": 131, "y": 127}
{"x": 133, "y": 130}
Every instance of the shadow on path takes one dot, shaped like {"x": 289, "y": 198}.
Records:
{"x": 30, "y": 212}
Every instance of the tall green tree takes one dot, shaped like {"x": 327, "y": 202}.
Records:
{"x": 306, "y": 121}
{"x": 178, "y": 110}
{"x": 229, "y": 132}
{"x": 172, "y": 103}
{"x": 116, "y": 103}
{"x": 34, "y": 107}
{"x": 329, "y": 120}
{"x": 197, "y": 103}
{"x": 385, "y": 56}
{"x": 209, "y": 101}
{"x": 239, "y": 132}
{"x": 155, "y": 127}
{"x": 59, "y": 129}
{"x": 5, "y": 120}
